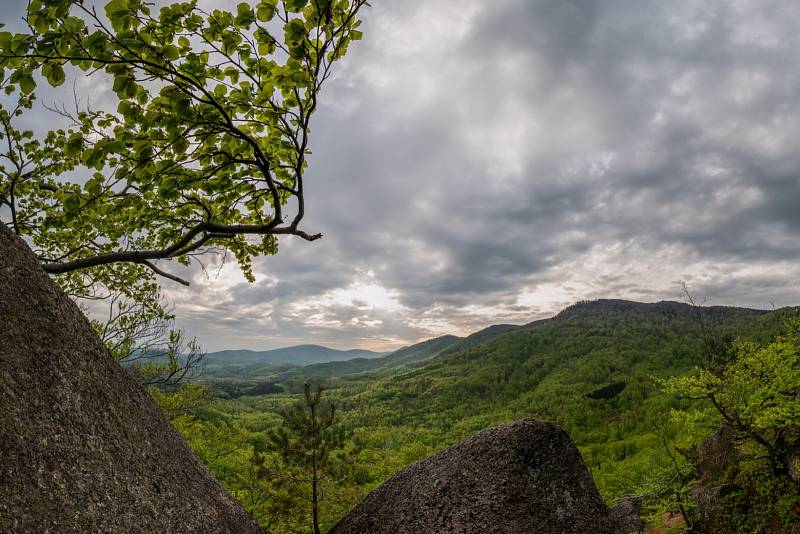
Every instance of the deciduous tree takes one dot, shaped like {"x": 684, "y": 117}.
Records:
{"x": 206, "y": 145}
{"x": 757, "y": 393}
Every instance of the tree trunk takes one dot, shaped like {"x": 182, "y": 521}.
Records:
{"x": 314, "y": 497}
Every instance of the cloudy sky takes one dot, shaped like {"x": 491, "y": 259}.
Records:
{"x": 481, "y": 162}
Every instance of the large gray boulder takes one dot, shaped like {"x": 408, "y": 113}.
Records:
{"x": 83, "y": 448}
{"x": 522, "y": 477}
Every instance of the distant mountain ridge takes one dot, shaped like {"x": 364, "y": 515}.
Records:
{"x": 410, "y": 356}
{"x": 587, "y": 346}
{"x": 662, "y": 307}
{"x": 322, "y": 363}
{"x": 295, "y": 355}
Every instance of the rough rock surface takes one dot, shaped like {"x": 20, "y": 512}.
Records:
{"x": 626, "y": 514}
{"x": 707, "y": 500}
{"x": 522, "y": 477}
{"x": 83, "y": 448}
{"x": 716, "y": 453}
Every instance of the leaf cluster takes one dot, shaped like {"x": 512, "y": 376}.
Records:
{"x": 208, "y": 144}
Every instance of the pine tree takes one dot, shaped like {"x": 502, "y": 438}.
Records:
{"x": 313, "y": 446}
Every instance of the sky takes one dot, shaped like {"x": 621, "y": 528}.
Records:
{"x": 480, "y": 162}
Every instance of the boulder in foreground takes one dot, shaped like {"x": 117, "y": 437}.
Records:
{"x": 522, "y": 477}
{"x": 83, "y": 448}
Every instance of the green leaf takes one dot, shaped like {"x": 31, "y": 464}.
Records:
{"x": 72, "y": 203}
{"x": 5, "y": 40}
{"x": 94, "y": 187}
{"x": 171, "y": 52}
{"x": 74, "y": 145}
{"x": 124, "y": 107}
{"x": 118, "y": 13}
{"x": 121, "y": 83}
{"x": 181, "y": 145}
{"x": 265, "y": 10}
{"x": 245, "y": 16}
{"x": 20, "y": 44}
{"x": 295, "y": 6}
{"x": 54, "y": 74}
{"x": 93, "y": 157}
{"x": 27, "y": 84}
{"x": 295, "y": 31}
{"x": 167, "y": 187}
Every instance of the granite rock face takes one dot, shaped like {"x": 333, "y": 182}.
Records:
{"x": 83, "y": 448}
{"x": 522, "y": 477}
{"x": 707, "y": 501}
{"x": 626, "y": 514}
{"x": 717, "y": 452}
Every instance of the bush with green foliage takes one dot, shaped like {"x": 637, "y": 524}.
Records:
{"x": 756, "y": 391}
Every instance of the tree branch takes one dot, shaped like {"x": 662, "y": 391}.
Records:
{"x": 184, "y": 245}
{"x": 153, "y": 267}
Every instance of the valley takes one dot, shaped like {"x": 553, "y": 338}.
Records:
{"x": 590, "y": 369}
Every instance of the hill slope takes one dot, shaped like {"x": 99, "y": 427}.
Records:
{"x": 297, "y": 355}
{"x": 587, "y": 369}
{"x": 586, "y": 345}
{"x": 411, "y": 356}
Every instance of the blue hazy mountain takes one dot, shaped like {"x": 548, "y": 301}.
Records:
{"x": 297, "y": 355}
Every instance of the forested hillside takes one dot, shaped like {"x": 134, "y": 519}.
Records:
{"x": 589, "y": 369}
{"x": 250, "y": 365}
{"x": 551, "y": 369}
{"x": 470, "y": 165}
{"x": 297, "y": 355}
{"x": 360, "y": 361}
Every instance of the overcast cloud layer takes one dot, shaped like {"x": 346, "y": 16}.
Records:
{"x": 480, "y": 162}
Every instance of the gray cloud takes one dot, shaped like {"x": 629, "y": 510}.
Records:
{"x": 482, "y": 162}
{"x": 493, "y": 162}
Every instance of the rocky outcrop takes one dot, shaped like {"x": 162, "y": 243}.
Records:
{"x": 522, "y": 477}
{"x": 707, "y": 500}
{"x": 626, "y": 514}
{"x": 83, "y": 448}
{"x": 716, "y": 453}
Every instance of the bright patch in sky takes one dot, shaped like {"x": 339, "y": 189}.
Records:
{"x": 363, "y": 294}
